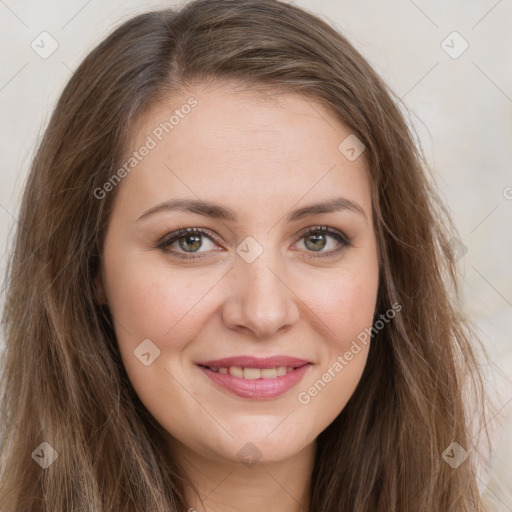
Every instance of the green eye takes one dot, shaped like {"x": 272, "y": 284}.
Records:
{"x": 189, "y": 240}
{"x": 189, "y": 243}
{"x": 317, "y": 239}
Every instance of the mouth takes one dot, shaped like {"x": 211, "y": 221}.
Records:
{"x": 256, "y": 378}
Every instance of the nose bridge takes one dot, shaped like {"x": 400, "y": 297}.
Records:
{"x": 261, "y": 301}
{"x": 261, "y": 280}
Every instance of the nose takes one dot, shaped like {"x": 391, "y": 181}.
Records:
{"x": 260, "y": 300}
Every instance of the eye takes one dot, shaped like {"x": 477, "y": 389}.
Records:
{"x": 189, "y": 241}
{"x": 316, "y": 239}
{"x": 185, "y": 243}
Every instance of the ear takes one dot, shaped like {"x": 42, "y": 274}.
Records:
{"x": 100, "y": 293}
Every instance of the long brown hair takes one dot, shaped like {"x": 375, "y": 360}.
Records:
{"x": 63, "y": 382}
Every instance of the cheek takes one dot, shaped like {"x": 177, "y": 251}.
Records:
{"x": 150, "y": 300}
{"x": 344, "y": 301}
{"x": 345, "y": 308}
{"x": 346, "y": 315}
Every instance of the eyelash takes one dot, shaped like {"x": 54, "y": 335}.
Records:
{"x": 170, "y": 238}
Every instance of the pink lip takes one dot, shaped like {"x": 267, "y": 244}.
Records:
{"x": 255, "y": 362}
{"x": 258, "y": 389}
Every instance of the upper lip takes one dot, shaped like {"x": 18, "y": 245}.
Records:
{"x": 255, "y": 362}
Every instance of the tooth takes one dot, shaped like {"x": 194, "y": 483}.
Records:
{"x": 268, "y": 373}
{"x": 236, "y": 371}
{"x": 252, "y": 373}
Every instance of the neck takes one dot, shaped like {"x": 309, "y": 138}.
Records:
{"x": 228, "y": 486}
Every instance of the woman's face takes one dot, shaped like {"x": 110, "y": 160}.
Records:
{"x": 269, "y": 282}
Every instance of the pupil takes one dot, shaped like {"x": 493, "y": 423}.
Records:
{"x": 196, "y": 240}
{"x": 317, "y": 238}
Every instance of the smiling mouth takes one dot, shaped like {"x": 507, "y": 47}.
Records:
{"x": 255, "y": 378}
{"x": 253, "y": 373}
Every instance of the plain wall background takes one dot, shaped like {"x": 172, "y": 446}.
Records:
{"x": 462, "y": 111}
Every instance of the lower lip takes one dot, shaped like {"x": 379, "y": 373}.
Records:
{"x": 257, "y": 388}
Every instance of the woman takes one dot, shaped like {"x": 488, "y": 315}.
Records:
{"x": 232, "y": 286}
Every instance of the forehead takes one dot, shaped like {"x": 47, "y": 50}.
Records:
{"x": 243, "y": 147}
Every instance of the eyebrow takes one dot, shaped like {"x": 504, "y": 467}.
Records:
{"x": 216, "y": 211}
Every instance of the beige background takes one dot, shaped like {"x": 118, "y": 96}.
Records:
{"x": 462, "y": 112}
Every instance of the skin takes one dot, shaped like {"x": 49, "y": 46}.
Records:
{"x": 263, "y": 157}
